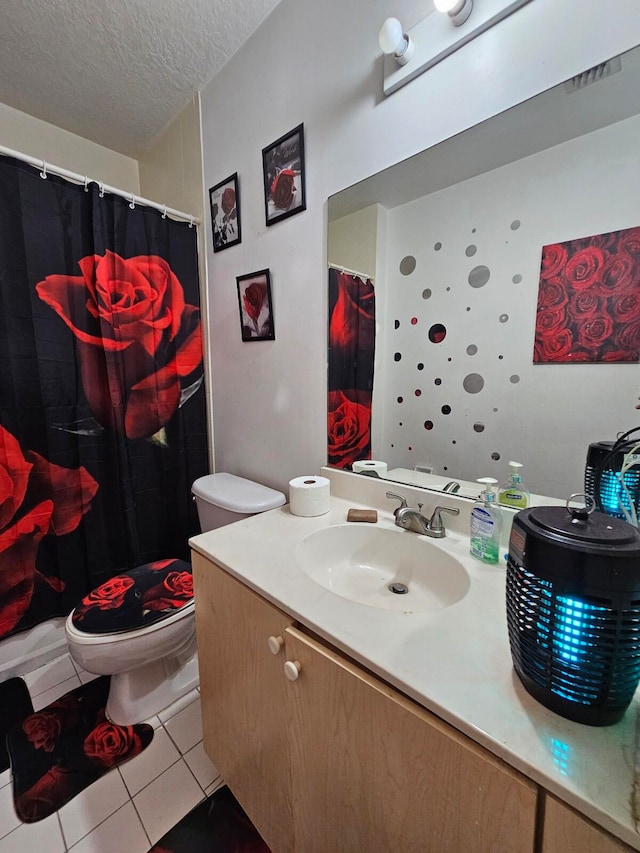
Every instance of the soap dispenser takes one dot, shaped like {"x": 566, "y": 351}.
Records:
{"x": 486, "y": 524}
{"x": 513, "y": 493}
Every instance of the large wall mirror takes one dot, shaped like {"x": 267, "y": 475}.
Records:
{"x": 452, "y": 240}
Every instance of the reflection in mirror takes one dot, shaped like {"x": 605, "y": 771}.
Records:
{"x": 453, "y": 239}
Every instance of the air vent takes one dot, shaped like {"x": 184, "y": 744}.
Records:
{"x": 598, "y": 72}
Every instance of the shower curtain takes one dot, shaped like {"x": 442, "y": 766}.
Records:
{"x": 102, "y": 413}
{"x": 352, "y": 333}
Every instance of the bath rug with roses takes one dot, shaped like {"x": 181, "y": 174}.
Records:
{"x": 57, "y": 752}
{"x": 15, "y": 705}
{"x": 217, "y": 825}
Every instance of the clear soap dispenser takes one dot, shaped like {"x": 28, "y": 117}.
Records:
{"x": 513, "y": 493}
{"x": 486, "y": 524}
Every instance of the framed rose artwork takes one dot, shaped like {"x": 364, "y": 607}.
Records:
{"x": 589, "y": 300}
{"x": 283, "y": 173}
{"x": 224, "y": 200}
{"x": 256, "y": 311}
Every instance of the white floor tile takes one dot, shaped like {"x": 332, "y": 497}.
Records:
{"x": 185, "y": 727}
{"x": 5, "y": 777}
{"x": 43, "y": 699}
{"x": 8, "y": 818}
{"x": 177, "y": 706}
{"x": 92, "y": 806}
{"x": 201, "y": 766}
{"x": 121, "y": 832}
{"x": 154, "y": 760}
{"x": 49, "y": 675}
{"x": 167, "y": 799}
{"x": 34, "y": 837}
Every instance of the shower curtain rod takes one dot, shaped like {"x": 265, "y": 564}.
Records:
{"x": 340, "y": 268}
{"x": 83, "y": 179}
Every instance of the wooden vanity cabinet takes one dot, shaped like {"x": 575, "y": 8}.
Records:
{"x": 565, "y": 831}
{"x": 335, "y": 759}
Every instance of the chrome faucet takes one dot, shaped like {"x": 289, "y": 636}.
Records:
{"x": 413, "y": 519}
{"x": 452, "y": 486}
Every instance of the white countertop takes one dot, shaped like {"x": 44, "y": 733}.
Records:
{"x": 454, "y": 662}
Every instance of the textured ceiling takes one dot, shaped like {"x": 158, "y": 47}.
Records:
{"x": 117, "y": 71}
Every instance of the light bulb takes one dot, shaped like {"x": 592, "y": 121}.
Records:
{"x": 392, "y": 39}
{"x": 458, "y": 10}
{"x": 445, "y": 5}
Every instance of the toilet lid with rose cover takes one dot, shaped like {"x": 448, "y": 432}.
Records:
{"x": 137, "y": 598}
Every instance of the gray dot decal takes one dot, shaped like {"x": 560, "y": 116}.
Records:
{"x": 478, "y": 426}
{"x": 470, "y": 250}
{"x": 495, "y": 410}
{"x": 495, "y": 456}
{"x": 504, "y": 318}
{"x": 407, "y": 265}
{"x": 514, "y": 379}
{"x": 448, "y": 289}
{"x": 515, "y": 224}
{"x": 472, "y": 349}
{"x": 479, "y": 276}
{"x": 437, "y": 247}
{"x": 473, "y": 383}
{"x": 517, "y": 278}
{"x": 426, "y": 293}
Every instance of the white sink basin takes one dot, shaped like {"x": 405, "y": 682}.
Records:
{"x": 360, "y": 562}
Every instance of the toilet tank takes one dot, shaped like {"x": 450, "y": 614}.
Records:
{"x": 224, "y": 498}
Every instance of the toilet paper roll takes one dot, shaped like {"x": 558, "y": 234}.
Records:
{"x": 309, "y": 496}
{"x": 370, "y": 465}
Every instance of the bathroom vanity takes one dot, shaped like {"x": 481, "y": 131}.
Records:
{"x": 344, "y": 726}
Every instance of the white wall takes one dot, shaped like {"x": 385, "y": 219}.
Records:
{"x": 319, "y": 63}
{"x": 542, "y": 415}
{"x": 28, "y": 135}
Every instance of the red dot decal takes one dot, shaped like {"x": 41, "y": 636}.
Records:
{"x": 428, "y": 424}
{"x": 417, "y": 392}
{"x": 414, "y": 320}
{"x": 437, "y": 333}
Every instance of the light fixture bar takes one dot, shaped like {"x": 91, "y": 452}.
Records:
{"x": 435, "y": 38}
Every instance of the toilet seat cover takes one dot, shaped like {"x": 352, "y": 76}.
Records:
{"x": 134, "y": 599}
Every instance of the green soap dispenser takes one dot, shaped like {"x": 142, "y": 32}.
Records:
{"x": 486, "y": 524}
{"x": 513, "y": 493}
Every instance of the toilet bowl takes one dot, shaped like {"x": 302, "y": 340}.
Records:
{"x": 139, "y": 626}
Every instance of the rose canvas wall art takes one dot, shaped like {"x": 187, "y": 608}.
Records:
{"x": 589, "y": 300}
{"x": 284, "y": 176}
{"x": 256, "y": 312}
{"x": 224, "y": 200}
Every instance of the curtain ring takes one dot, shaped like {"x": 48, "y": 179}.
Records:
{"x": 132, "y": 203}
{"x": 101, "y": 191}
{"x": 191, "y": 222}
{"x": 43, "y": 173}
{"x": 86, "y": 184}
{"x": 164, "y": 212}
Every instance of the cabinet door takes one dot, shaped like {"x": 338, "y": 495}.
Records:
{"x": 374, "y": 772}
{"x": 243, "y": 693}
{"x": 565, "y": 831}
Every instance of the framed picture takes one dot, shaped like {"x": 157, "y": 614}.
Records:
{"x": 225, "y": 213}
{"x": 283, "y": 173}
{"x": 256, "y": 311}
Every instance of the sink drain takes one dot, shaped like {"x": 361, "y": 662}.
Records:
{"x": 399, "y": 588}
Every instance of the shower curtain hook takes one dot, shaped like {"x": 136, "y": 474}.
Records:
{"x": 132, "y": 203}
{"x": 86, "y": 184}
{"x": 43, "y": 173}
{"x": 164, "y": 212}
{"x": 101, "y": 192}
{"x": 191, "y": 222}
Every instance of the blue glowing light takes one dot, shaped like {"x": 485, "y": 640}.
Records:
{"x": 561, "y": 754}
{"x": 612, "y": 496}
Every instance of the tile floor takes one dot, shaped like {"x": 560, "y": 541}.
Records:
{"x": 132, "y": 806}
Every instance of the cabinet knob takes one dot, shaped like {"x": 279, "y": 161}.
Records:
{"x": 275, "y": 644}
{"x": 292, "y": 669}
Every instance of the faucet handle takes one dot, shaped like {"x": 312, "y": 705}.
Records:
{"x": 403, "y": 501}
{"x": 435, "y": 523}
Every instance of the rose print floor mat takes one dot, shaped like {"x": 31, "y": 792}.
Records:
{"x": 57, "y": 752}
{"x": 15, "y": 705}
{"x": 217, "y": 825}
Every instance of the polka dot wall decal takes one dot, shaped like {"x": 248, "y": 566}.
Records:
{"x": 514, "y": 379}
{"x": 437, "y": 381}
{"x": 470, "y": 250}
{"x": 473, "y": 230}
{"x": 396, "y": 324}
{"x": 479, "y": 276}
{"x": 495, "y": 410}
{"x": 397, "y": 356}
{"x": 478, "y": 426}
{"x": 428, "y": 424}
{"x": 420, "y": 366}
{"x": 448, "y": 289}
{"x": 446, "y": 410}
{"x": 500, "y": 357}
{"x": 473, "y": 383}
{"x": 517, "y": 278}
{"x": 418, "y": 392}
{"x": 426, "y": 293}
{"x": 454, "y": 441}
{"x": 504, "y": 318}
{"x": 407, "y": 265}
{"x": 437, "y": 247}
{"x": 515, "y": 224}
{"x": 468, "y": 308}
{"x": 495, "y": 456}
{"x": 400, "y": 399}
{"x": 414, "y": 320}
{"x": 472, "y": 349}
{"x": 437, "y": 333}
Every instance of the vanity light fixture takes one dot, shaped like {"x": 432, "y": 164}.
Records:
{"x": 408, "y": 54}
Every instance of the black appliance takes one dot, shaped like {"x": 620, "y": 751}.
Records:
{"x": 573, "y": 610}
{"x": 614, "y": 490}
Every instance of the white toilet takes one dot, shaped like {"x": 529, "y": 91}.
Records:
{"x": 139, "y": 626}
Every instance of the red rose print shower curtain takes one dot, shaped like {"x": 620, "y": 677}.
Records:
{"x": 352, "y": 331}
{"x": 102, "y": 416}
